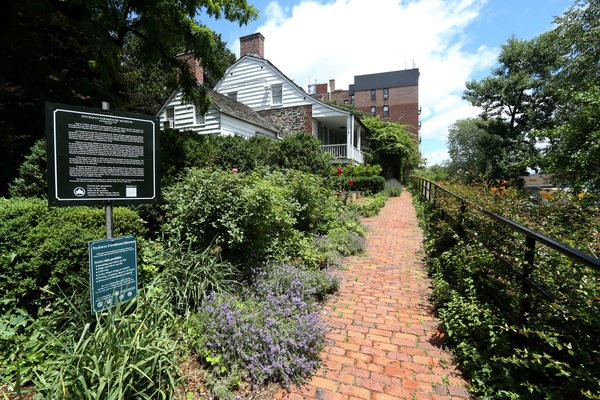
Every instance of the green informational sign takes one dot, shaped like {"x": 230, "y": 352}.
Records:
{"x": 113, "y": 272}
{"x": 98, "y": 157}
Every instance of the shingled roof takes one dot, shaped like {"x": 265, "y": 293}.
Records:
{"x": 234, "y": 108}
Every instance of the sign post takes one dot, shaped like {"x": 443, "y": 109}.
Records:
{"x": 108, "y": 210}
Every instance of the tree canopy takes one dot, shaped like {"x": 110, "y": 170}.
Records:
{"x": 539, "y": 105}
{"x": 85, "y": 52}
{"x": 573, "y": 144}
{"x": 392, "y": 147}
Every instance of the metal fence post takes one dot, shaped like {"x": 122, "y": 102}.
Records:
{"x": 527, "y": 271}
{"x": 461, "y": 217}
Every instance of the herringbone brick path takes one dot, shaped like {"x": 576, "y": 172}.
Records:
{"x": 382, "y": 338}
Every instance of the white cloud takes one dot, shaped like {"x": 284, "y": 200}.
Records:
{"x": 436, "y": 157}
{"x": 342, "y": 38}
{"x": 275, "y": 13}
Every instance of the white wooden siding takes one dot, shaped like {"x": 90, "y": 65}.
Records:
{"x": 215, "y": 122}
{"x": 252, "y": 79}
{"x": 185, "y": 117}
{"x": 235, "y": 126}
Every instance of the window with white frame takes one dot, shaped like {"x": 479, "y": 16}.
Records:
{"x": 170, "y": 113}
{"x": 386, "y": 111}
{"x": 373, "y": 95}
{"x": 386, "y": 93}
{"x": 277, "y": 94}
{"x": 373, "y": 110}
{"x": 199, "y": 115}
{"x": 169, "y": 121}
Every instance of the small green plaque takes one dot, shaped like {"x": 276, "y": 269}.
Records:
{"x": 113, "y": 272}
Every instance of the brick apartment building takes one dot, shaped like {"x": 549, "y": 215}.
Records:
{"x": 393, "y": 95}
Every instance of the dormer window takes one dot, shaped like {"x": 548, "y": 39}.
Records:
{"x": 277, "y": 94}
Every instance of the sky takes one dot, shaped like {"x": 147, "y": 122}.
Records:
{"x": 450, "y": 41}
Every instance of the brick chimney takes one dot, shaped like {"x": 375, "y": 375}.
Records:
{"x": 332, "y": 85}
{"x": 194, "y": 65}
{"x": 252, "y": 44}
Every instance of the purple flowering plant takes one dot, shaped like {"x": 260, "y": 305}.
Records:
{"x": 271, "y": 332}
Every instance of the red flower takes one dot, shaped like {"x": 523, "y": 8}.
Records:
{"x": 350, "y": 182}
{"x": 339, "y": 170}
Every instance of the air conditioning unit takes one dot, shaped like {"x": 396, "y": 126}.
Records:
{"x": 169, "y": 124}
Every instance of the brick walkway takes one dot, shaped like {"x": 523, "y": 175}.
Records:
{"x": 382, "y": 342}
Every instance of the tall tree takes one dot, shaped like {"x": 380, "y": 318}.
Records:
{"x": 573, "y": 149}
{"x": 482, "y": 148}
{"x": 517, "y": 103}
{"x": 514, "y": 93}
{"x": 76, "y": 52}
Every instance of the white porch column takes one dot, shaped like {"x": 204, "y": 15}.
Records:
{"x": 349, "y": 136}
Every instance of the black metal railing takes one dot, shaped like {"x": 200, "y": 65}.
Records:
{"x": 525, "y": 267}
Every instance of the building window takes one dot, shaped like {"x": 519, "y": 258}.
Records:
{"x": 277, "y": 94}
{"x": 386, "y": 93}
{"x": 200, "y": 117}
{"x": 386, "y": 111}
{"x": 373, "y": 94}
{"x": 346, "y": 101}
{"x": 232, "y": 95}
{"x": 373, "y": 110}
{"x": 169, "y": 122}
{"x": 170, "y": 113}
{"x": 352, "y": 99}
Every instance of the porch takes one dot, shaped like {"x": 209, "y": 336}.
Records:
{"x": 341, "y": 136}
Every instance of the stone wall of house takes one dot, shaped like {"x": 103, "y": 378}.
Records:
{"x": 290, "y": 119}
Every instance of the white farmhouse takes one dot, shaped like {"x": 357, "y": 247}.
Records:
{"x": 255, "y": 82}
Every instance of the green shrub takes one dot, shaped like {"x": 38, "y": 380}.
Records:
{"x": 363, "y": 184}
{"x": 250, "y": 217}
{"x": 316, "y": 204}
{"x": 246, "y": 216}
{"x": 303, "y": 152}
{"x": 32, "y": 180}
{"x": 314, "y": 252}
{"x": 48, "y": 248}
{"x": 358, "y": 170}
{"x": 243, "y": 154}
{"x": 549, "y": 354}
{"x": 393, "y": 191}
{"x": 370, "y": 206}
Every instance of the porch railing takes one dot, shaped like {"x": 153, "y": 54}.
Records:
{"x": 336, "y": 150}
{"x": 340, "y": 151}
